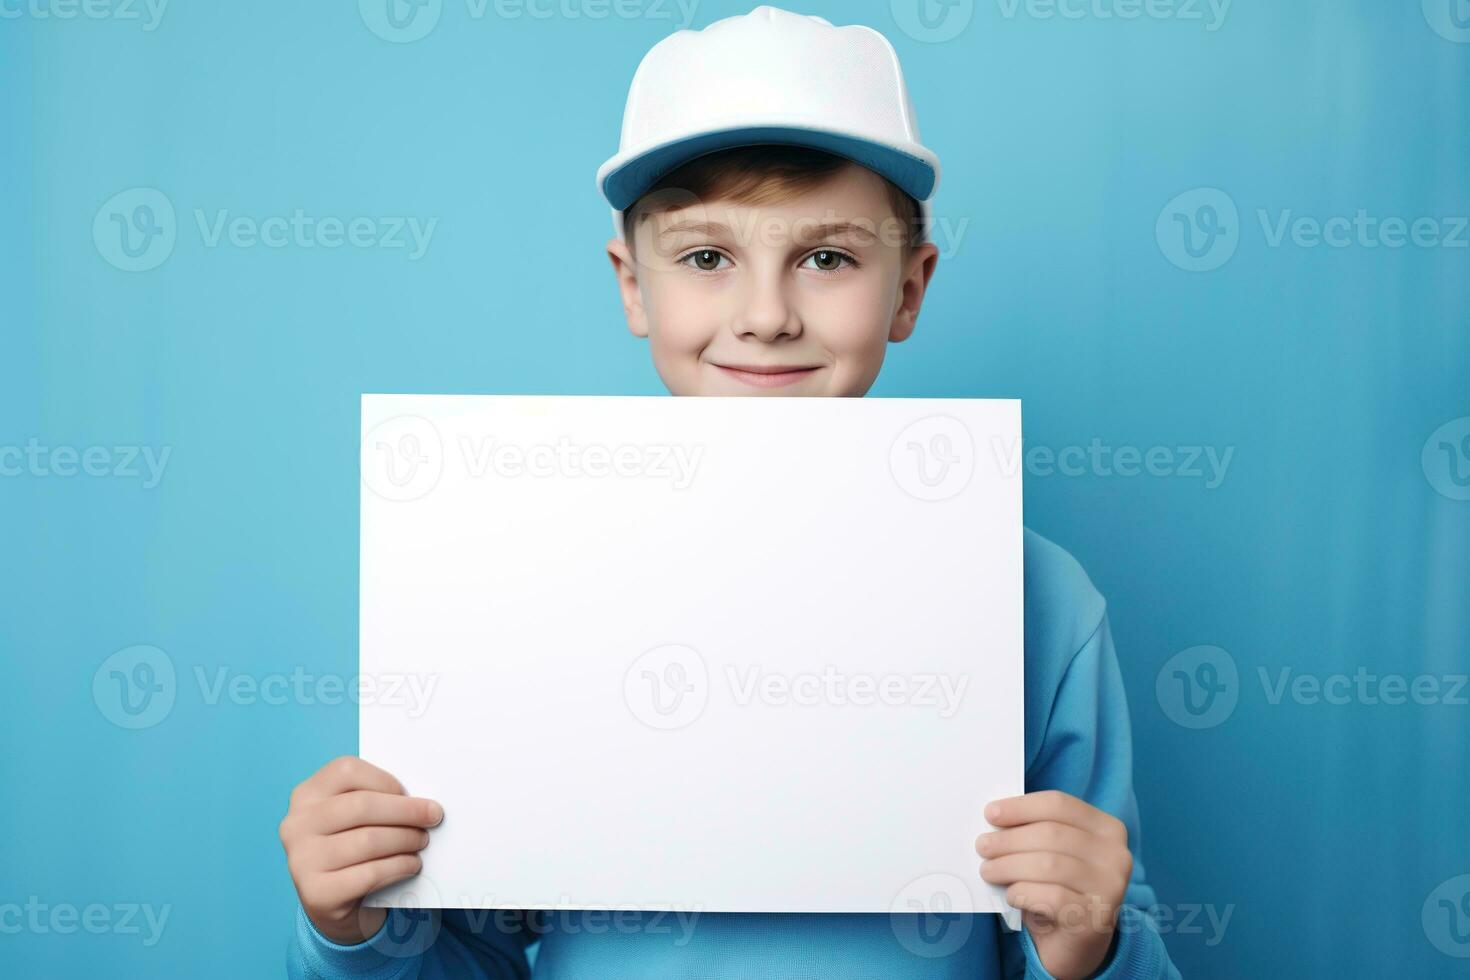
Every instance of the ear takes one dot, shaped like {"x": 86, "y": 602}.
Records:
{"x": 916, "y": 275}
{"x": 626, "y": 271}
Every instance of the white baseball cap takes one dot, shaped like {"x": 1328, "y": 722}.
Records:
{"x": 769, "y": 76}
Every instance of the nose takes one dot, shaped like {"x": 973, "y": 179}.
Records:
{"x": 766, "y": 313}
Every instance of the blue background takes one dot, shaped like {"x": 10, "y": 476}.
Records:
{"x": 1326, "y": 548}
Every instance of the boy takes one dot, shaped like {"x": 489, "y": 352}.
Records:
{"x": 766, "y": 200}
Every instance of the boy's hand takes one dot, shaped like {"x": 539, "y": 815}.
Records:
{"x": 351, "y": 830}
{"x": 1067, "y": 865}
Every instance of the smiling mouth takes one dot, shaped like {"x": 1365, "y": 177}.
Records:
{"x": 766, "y": 376}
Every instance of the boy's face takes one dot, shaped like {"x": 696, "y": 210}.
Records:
{"x": 796, "y": 298}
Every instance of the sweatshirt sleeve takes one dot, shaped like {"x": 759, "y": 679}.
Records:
{"x": 1079, "y": 741}
{"x": 472, "y": 944}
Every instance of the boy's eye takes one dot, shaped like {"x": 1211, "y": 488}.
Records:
{"x": 704, "y": 259}
{"x": 828, "y": 260}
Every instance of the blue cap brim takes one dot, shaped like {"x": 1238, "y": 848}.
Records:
{"x": 623, "y": 186}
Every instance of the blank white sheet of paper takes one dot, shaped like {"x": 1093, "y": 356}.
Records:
{"x": 710, "y": 654}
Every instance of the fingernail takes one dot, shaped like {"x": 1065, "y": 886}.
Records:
{"x": 436, "y": 813}
{"x": 982, "y": 842}
{"x": 992, "y": 811}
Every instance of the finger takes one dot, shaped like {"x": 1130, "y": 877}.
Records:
{"x": 350, "y": 885}
{"x": 362, "y": 844}
{"x": 1052, "y": 903}
{"x": 1044, "y": 835}
{"x": 1050, "y": 804}
{"x": 1043, "y": 867}
{"x": 343, "y": 774}
{"x": 362, "y": 808}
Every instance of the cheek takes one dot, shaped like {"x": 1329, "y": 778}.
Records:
{"x": 675, "y": 314}
{"x": 681, "y": 324}
{"x": 853, "y": 327}
{"x": 852, "y": 322}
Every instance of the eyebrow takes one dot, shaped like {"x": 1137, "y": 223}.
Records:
{"x": 830, "y": 229}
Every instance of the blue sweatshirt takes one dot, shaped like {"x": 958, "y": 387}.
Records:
{"x": 1077, "y": 741}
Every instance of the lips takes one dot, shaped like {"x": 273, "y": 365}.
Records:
{"x": 766, "y": 376}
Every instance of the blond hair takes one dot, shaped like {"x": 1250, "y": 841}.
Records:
{"x": 761, "y": 174}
